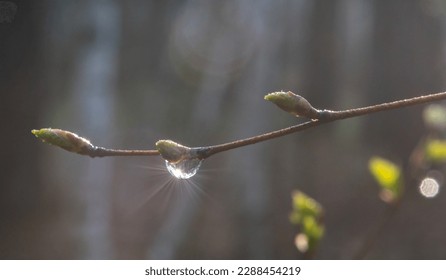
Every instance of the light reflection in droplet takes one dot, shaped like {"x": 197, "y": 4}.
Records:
{"x": 184, "y": 169}
{"x": 429, "y": 187}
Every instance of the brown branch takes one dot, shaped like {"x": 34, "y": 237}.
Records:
{"x": 74, "y": 143}
{"x": 104, "y": 152}
{"x": 320, "y": 117}
{"x": 338, "y": 115}
{"x": 210, "y": 150}
{"x": 324, "y": 116}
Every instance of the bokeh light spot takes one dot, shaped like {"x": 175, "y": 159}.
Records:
{"x": 429, "y": 187}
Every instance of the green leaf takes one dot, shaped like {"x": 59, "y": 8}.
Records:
{"x": 388, "y": 176}
{"x": 312, "y": 228}
{"x": 435, "y": 150}
{"x": 304, "y": 206}
{"x": 307, "y": 213}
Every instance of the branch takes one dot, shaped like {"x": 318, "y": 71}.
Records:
{"x": 174, "y": 152}
{"x": 320, "y": 117}
{"x": 74, "y": 143}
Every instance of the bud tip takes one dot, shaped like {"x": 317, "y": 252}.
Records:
{"x": 172, "y": 151}
{"x": 293, "y": 104}
{"x": 64, "y": 139}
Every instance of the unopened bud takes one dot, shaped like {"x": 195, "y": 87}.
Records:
{"x": 293, "y": 104}
{"x": 172, "y": 151}
{"x": 64, "y": 139}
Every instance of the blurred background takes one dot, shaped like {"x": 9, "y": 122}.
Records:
{"x": 127, "y": 73}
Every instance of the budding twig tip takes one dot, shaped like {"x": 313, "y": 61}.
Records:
{"x": 64, "y": 139}
{"x": 172, "y": 151}
{"x": 293, "y": 104}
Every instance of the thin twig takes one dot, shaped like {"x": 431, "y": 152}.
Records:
{"x": 338, "y": 115}
{"x": 210, "y": 150}
{"x": 325, "y": 116}
{"x": 104, "y": 152}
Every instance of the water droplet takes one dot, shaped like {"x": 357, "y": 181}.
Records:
{"x": 429, "y": 187}
{"x": 184, "y": 169}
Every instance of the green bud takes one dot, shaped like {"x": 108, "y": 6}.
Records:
{"x": 293, "y": 104}
{"x": 64, "y": 139}
{"x": 172, "y": 151}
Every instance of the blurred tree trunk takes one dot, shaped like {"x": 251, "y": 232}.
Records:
{"x": 255, "y": 226}
{"x": 321, "y": 54}
{"x": 22, "y": 82}
{"x": 320, "y": 86}
{"x": 84, "y": 55}
{"x": 407, "y": 59}
{"x": 93, "y": 96}
{"x": 407, "y": 48}
{"x": 178, "y": 224}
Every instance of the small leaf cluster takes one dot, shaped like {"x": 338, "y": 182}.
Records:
{"x": 307, "y": 213}
{"x": 435, "y": 150}
{"x": 435, "y": 143}
{"x": 429, "y": 155}
{"x": 388, "y": 176}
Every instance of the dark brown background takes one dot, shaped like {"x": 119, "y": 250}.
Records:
{"x": 128, "y": 73}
